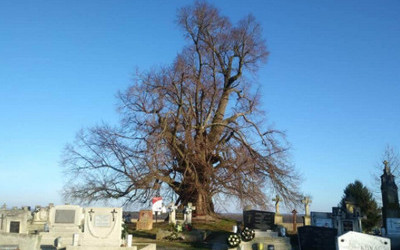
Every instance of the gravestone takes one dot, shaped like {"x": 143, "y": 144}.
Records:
{"x": 317, "y": 238}
{"x": 188, "y": 213}
{"x": 40, "y": 220}
{"x": 393, "y": 226}
{"x": 145, "y": 221}
{"x": 103, "y": 226}
{"x": 321, "y": 219}
{"x": 360, "y": 241}
{"x": 63, "y": 222}
{"x": 14, "y": 220}
{"x": 256, "y": 219}
{"x": 64, "y": 216}
{"x": 172, "y": 213}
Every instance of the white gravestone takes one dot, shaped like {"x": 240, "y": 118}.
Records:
{"x": 63, "y": 222}
{"x": 172, "y": 213}
{"x": 360, "y": 241}
{"x": 65, "y": 216}
{"x": 40, "y": 215}
{"x": 103, "y": 226}
{"x": 14, "y": 220}
{"x": 187, "y": 217}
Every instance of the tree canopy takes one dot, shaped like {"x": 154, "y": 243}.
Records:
{"x": 360, "y": 195}
{"x": 192, "y": 128}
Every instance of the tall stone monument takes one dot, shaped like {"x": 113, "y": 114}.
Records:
{"x": 307, "y": 218}
{"x": 390, "y": 200}
{"x": 278, "y": 216}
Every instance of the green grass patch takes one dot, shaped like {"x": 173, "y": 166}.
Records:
{"x": 216, "y": 229}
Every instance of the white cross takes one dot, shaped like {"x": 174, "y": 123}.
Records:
{"x": 306, "y": 201}
{"x": 188, "y": 213}
{"x": 277, "y": 199}
{"x": 172, "y": 213}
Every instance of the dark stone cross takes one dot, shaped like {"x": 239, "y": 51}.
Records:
{"x": 113, "y": 213}
{"x": 90, "y": 214}
{"x": 294, "y": 212}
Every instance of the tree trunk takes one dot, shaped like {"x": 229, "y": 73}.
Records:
{"x": 200, "y": 198}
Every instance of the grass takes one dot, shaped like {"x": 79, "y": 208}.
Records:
{"x": 216, "y": 229}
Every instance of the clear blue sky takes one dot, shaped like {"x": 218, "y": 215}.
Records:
{"x": 332, "y": 82}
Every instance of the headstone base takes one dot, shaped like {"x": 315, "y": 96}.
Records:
{"x": 136, "y": 246}
{"x": 264, "y": 234}
{"x": 279, "y": 243}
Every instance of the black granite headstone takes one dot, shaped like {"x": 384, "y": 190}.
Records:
{"x": 256, "y": 219}
{"x": 317, "y": 238}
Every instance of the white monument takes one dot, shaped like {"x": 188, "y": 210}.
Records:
{"x": 354, "y": 240}
{"x": 187, "y": 217}
{"x": 103, "y": 226}
{"x": 172, "y": 213}
{"x": 63, "y": 222}
{"x": 14, "y": 220}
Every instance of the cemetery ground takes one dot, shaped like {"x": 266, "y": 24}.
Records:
{"x": 217, "y": 231}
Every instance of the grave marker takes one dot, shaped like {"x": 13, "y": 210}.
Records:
{"x": 103, "y": 226}
{"x": 360, "y": 241}
{"x": 187, "y": 217}
{"x": 256, "y": 219}
{"x": 64, "y": 216}
{"x": 172, "y": 213}
{"x": 317, "y": 238}
{"x": 145, "y": 221}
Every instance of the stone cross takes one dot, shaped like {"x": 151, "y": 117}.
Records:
{"x": 306, "y": 201}
{"x": 172, "y": 213}
{"x": 113, "y": 213}
{"x": 187, "y": 217}
{"x": 277, "y": 199}
{"x": 387, "y": 168}
{"x": 2, "y": 219}
{"x": 90, "y": 214}
{"x": 294, "y": 212}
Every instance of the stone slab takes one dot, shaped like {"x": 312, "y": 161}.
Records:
{"x": 360, "y": 241}
{"x": 136, "y": 246}
{"x": 279, "y": 243}
{"x": 393, "y": 226}
{"x": 268, "y": 233}
{"x": 23, "y": 241}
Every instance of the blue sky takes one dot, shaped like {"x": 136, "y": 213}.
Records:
{"x": 332, "y": 82}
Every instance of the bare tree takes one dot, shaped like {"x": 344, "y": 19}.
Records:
{"x": 192, "y": 128}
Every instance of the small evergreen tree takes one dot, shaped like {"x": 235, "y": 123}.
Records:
{"x": 362, "y": 197}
